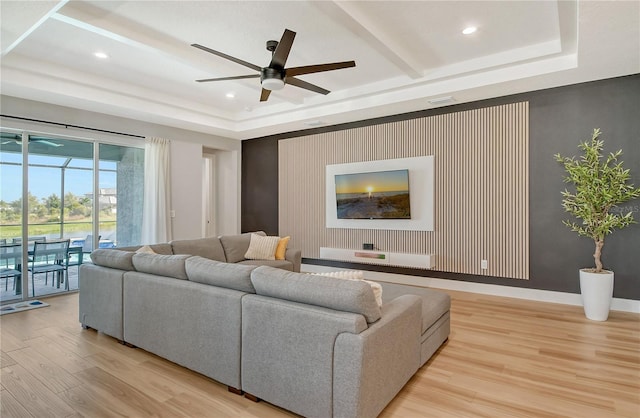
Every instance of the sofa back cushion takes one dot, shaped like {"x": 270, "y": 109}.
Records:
{"x": 115, "y": 259}
{"x": 356, "y": 275}
{"x": 342, "y": 295}
{"x": 161, "y": 265}
{"x": 204, "y": 247}
{"x": 215, "y": 273}
{"x": 163, "y": 248}
{"x": 281, "y": 264}
{"x": 236, "y": 246}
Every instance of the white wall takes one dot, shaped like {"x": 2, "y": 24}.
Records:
{"x": 228, "y": 187}
{"x": 186, "y": 190}
{"x": 65, "y": 115}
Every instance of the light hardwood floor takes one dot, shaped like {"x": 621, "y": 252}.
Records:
{"x": 504, "y": 358}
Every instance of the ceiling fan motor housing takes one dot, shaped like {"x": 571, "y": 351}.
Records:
{"x": 272, "y": 78}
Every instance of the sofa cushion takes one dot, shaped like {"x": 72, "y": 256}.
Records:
{"x": 236, "y": 246}
{"x": 343, "y": 295}
{"x": 163, "y": 248}
{"x": 161, "y": 265}
{"x": 435, "y": 303}
{"x": 262, "y": 248}
{"x": 115, "y": 259}
{"x": 281, "y": 264}
{"x": 356, "y": 275}
{"x": 215, "y": 273}
{"x": 204, "y": 247}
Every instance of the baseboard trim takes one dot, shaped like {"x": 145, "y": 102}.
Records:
{"x": 624, "y": 305}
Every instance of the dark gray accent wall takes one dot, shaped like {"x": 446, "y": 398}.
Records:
{"x": 560, "y": 119}
{"x": 259, "y": 193}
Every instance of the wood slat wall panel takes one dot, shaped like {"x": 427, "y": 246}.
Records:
{"x": 481, "y": 188}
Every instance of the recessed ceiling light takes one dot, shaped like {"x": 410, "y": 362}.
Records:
{"x": 101, "y": 55}
{"x": 469, "y": 30}
{"x": 230, "y": 95}
{"x": 314, "y": 123}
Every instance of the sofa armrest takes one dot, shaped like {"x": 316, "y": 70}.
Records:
{"x": 370, "y": 368}
{"x": 294, "y": 256}
{"x": 287, "y": 352}
{"x": 100, "y": 300}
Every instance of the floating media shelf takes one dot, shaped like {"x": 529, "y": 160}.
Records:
{"x": 421, "y": 261}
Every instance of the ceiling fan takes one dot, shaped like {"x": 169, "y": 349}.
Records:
{"x": 275, "y": 76}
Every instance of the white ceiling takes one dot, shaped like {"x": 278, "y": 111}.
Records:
{"x": 406, "y": 53}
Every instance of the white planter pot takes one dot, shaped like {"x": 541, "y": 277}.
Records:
{"x": 597, "y": 293}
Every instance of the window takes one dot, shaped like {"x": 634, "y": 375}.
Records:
{"x": 60, "y": 200}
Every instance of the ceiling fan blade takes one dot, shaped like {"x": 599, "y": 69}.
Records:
{"x": 264, "y": 95}
{"x": 49, "y": 143}
{"x": 238, "y": 77}
{"x": 304, "y": 85}
{"x": 308, "y": 69}
{"x": 43, "y": 141}
{"x": 229, "y": 57}
{"x": 281, "y": 53}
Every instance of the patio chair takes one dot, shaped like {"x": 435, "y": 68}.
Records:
{"x": 30, "y": 239}
{"x": 87, "y": 248}
{"x": 49, "y": 257}
{"x": 3, "y": 243}
{"x": 10, "y": 256}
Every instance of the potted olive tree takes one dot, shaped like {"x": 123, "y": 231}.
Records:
{"x": 601, "y": 184}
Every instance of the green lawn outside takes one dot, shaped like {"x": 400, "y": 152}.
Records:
{"x": 70, "y": 229}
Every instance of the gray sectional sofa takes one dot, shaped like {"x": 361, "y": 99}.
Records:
{"x": 227, "y": 248}
{"x": 318, "y": 346}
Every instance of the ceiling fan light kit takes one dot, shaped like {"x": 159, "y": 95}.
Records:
{"x": 275, "y": 75}
{"x": 272, "y": 84}
{"x": 272, "y": 78}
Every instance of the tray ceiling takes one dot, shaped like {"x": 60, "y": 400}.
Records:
{"x": 406, "y": 53}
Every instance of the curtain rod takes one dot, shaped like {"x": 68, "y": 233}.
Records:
{"x": 66, "y": 125}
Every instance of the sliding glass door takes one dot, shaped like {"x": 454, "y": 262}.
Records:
{"x": 60, "y": 186}
{"x": 11, "y": 168}
{"x": 62, "y": 183}
{"x": 60, "y": 179}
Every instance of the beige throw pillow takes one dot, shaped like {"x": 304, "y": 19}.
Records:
{"x": 262, "y": 248}
{"x": 145, "y": 249}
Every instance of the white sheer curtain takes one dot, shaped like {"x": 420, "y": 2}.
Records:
{"x": 156, "y": 220}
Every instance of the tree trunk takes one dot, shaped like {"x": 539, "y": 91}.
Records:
{"x": 598, "y": 254}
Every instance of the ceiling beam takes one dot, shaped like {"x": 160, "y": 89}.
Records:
{"x": 354, "y": 15}
{"x": 160, "y": 46}
{"x": 31, "y": 16}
